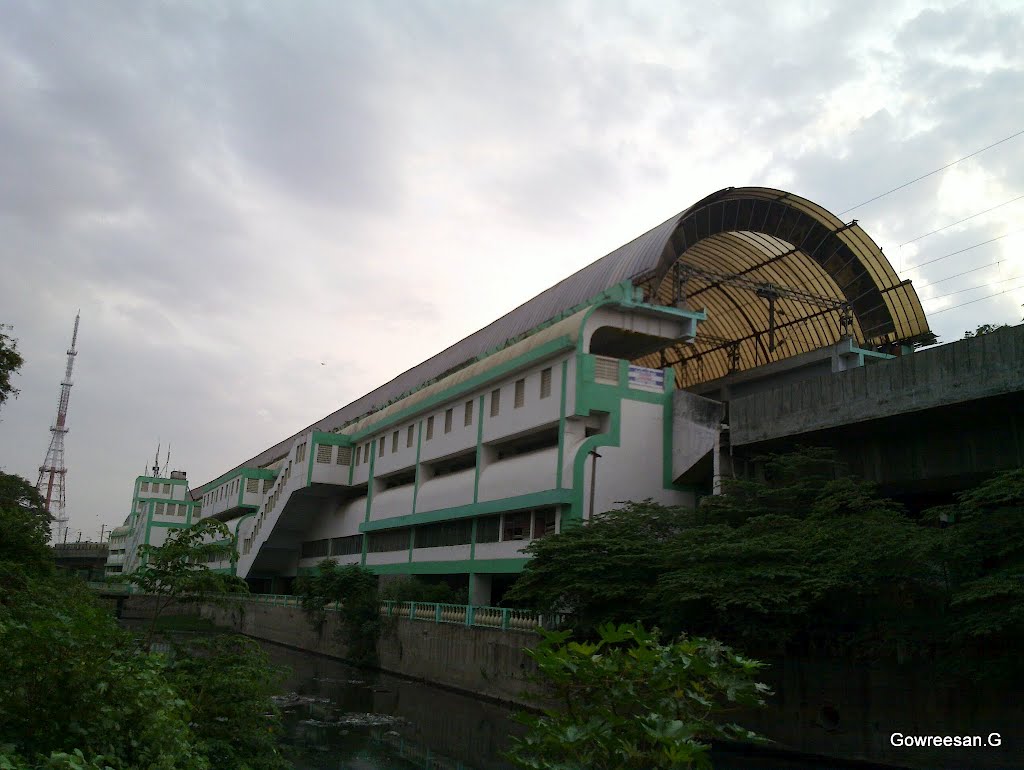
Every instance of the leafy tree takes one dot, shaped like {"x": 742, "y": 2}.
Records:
{"x": 630, "y": 702}
{"x": 24, "y": 533}
{"x": 176, "y": 572}
{"x": 353, "y": 590}
{"x": 228, "y": 681}
{"x": 605, "y": 572}
{"x": 984, "y": 329}
{"x": 10, "y": 363}
{"x": 982, "y": 561}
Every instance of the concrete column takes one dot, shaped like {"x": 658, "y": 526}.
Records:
{"x": 480, "y": 590}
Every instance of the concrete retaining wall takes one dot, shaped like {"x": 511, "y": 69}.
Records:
{"x": 982, "y": 367}
{"x": 480, "y": 661}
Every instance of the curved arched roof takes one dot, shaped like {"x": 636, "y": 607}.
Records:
{"x": 756, "y": 236}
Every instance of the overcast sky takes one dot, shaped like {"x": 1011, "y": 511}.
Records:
{"x": 265, "y": 210}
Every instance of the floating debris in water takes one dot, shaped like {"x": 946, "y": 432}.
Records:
{"x": 369, "y": 720}
{"x": 293, "y": 699}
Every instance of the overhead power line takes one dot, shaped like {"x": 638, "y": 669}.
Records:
{"x": 951, "y": 277}
{"x": 968, "y": 248}
{"x": 961, "y": 221}
{"x": 932, "y": 173}
{"x": 979, "y": 286}
{"x": 971, "y": 302}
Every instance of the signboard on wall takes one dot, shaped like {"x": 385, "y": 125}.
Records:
{"x": 646, "y": 379}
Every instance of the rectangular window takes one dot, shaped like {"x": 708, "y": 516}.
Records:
{"x": 430, "y": 427}
{"x": 488, "y": 529}
{"x": 389, "y": 540}
{"x": 312, "y": 549}
{"x": 160, "y": 509}
{"x": 344, "y": 455}
{"x": 252, "y": 485}
{"x": 346, "y": 546}
{"x": 495, "y": 402}
{"x": 408, "y": 436}
{"x": 394, "y": 442}
{"x": 167, "y": 489}
{"x": 144, "y": 487}
{"x": 516, "y": 526}
{"x": 545, "y": 383}
{"x": 448, "y": 421}
{"x": 543, "y": 522}
{"x": 468, "y": 418}
{"x": 520, "y": 394}
{"x": 323, "y": 453}
{"x": 267, "y": 484}
{"x": 457, "y": 532}
{"x": 359, "y": 456}
{"x": 380, "y": 447}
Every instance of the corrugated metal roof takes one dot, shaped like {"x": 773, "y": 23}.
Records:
{"x": 768, "y": 235}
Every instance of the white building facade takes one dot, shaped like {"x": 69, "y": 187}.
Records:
{"x": 575, "y": 402}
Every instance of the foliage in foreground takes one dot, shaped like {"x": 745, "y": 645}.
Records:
{"x": 630, "y": 702}
{"x": 177, "y": 572}
{"x": 806, "y": 560}
{"x": 354, "y": 589}
{"x": 78, "y": 693}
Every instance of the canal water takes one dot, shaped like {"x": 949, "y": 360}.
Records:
{"x": 344, "y": 718}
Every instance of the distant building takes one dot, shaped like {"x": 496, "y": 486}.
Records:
{"x": 158, "y": 506}
{"x": 583, "y": 397}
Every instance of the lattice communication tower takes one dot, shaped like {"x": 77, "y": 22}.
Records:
{"x": 52, "y": 472}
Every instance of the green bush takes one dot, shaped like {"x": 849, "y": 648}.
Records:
{"x": 629, "y": 702}
{"x": 354, "y": 589}
{"x": 409, "y": 588}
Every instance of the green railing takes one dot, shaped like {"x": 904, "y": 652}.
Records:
{"x": 111, "y": 588}
{"x": 504, "y": 618}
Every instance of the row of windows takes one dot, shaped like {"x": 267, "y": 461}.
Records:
{"x": 501, "y": 527}
{"x": 251, "y": 486}
{"x": 334, "y": 546}
{"x": 144, "y": 487}
{"x": 171, "y": 509}
{"x": 325, "y": 453}
{"x": 363, "y": 452}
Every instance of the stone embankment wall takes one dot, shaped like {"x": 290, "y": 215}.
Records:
{"x": 480, "y": 661}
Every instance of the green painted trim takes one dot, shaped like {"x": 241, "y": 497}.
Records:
{"x": 412, "y": 540}
{"x": 369, "y": 482}
{"x": 531, "y": 500}
{"x": 248, "y": 473}
{"x": 548, "y": 349}
{"x": 503, "y": 566}
{"x": 160, "y": 480}
{"x": 238, "y": 526}
{"x": 309, "y": 464}
{"x": 870, "y": 354}
{"x": 479, "y": 452}
{"x": 333, "y": 439}
{"x": 561, "y": 425}
{"x": 600, "y": 398}
{"x": 416, "y": 478}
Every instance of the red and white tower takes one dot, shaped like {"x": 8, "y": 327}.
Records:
{"x": 52, "y": 472}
